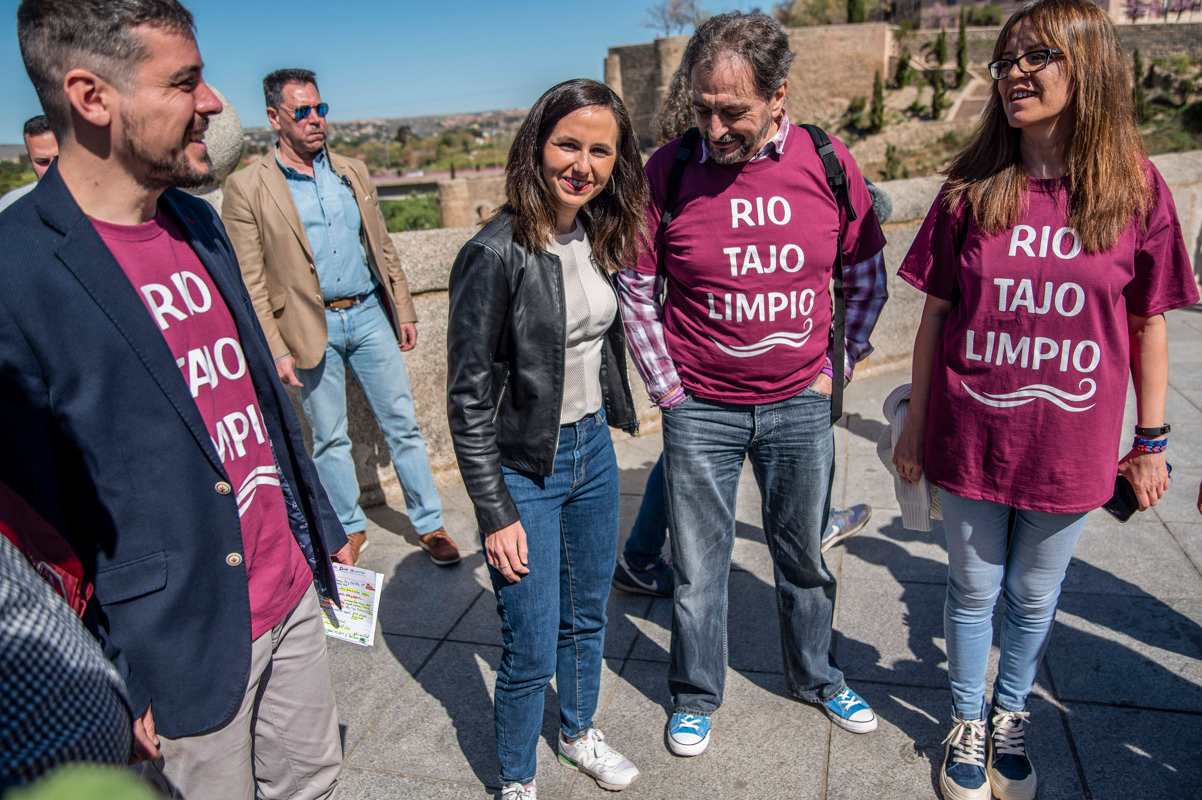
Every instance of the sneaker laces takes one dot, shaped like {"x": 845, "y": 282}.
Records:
{"x": 602, "y": 753}
{"x": 1009, "y": 732}
{"x": 690, "y": 721}
{"x": 967, "y": 740}
{"x": 847, "y": 698}
{"x": 516, "y": 791}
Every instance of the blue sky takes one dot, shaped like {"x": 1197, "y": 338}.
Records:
{"x": 384, "y": 57}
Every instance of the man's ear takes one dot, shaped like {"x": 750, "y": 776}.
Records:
{"x": 778, "y": 98}
{"x": 90, "y": 96}
{"x": 273, "y": 118}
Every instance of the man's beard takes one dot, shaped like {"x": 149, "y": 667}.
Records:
{"x": 165, "y": 170}
{"x": 745, "y": 150}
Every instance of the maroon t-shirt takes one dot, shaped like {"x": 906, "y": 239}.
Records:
{"x": 180, "y": 296}
{"x": 1029, "y": 385}
{"x": 749, "y": 255}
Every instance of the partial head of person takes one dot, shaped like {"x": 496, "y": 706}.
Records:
{"x": 121, "y": 81}
{"x": 738, "y": 67}
{"x": 576, "y": 157}
{"x": 296, "y": 112}
{"x": 1061, "y": 81}
{"x": 40, "y": 144}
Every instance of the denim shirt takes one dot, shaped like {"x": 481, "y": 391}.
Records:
{"x": 328, "y": 211}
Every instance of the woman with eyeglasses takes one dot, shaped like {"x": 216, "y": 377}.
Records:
{"x": 536, "y": 376}
{"x": 1048, "y": 259}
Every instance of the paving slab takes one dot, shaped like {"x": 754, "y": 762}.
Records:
{"x": 764, "y": 745}
{"x": 1138, "y": 559}
{"x": 909, "y": 739}
{"x": 1137, "y": 754}
{"x": 1128, "y": 650}
{"x": 370, "y": 784}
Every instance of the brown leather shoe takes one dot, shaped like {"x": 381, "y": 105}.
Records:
{"x": 440, "y": 547}
{"x": 358, "y": 543}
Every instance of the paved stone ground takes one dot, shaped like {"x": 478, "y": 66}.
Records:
{"x": 1117, "y": 711}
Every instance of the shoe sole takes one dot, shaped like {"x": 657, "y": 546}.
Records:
{"x": 1009, "y": 790}
{"x": 443, "y": 562}
{"x": 634, "y": 588}
{"x": 609, "y": 787}
{"x": 687, "y": 750}
{"x": 960, "y": 793}
{"x": 852, "y": 727}
{"x": 845, "y": 535}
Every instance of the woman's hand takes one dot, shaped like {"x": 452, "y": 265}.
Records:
{"x": 1148, "y": 476}
{"x": 506, "y": 551}
{"x": 907, "y": 454}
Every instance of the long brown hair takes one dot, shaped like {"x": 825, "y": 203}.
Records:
{"x": 614, "y": 218}
{"x": 1105, "y": 157}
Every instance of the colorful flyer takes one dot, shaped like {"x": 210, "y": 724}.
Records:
{"x": 360, "y": 592}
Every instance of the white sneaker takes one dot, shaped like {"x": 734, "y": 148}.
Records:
{"x": 517, "y": 791}
{"x": 592, "y": 756}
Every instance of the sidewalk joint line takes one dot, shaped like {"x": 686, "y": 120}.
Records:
{"x": 1062, "y": 713}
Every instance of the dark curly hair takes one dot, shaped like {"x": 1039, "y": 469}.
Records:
{"x": 614, "y": 218}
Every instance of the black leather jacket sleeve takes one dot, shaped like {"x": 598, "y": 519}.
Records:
{"x": 479, "y": 297}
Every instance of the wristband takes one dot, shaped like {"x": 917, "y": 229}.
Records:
{"x": 1145, "y": 445}
{"x": 1153, "y": 432}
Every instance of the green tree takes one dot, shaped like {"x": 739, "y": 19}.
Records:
{"x": 1140, "y": 98}
{"x": 876, "y": 112}
{"x": 857, "y": 10}
{"x": 937, "y": 51}
{"x": 962, "y": 51}
{"x": 938, "y": 93}
{"x": 894, "y": 168}
{"x": 905, "y": 73}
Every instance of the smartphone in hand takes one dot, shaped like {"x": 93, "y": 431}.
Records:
{"x": 1122, "y": 504}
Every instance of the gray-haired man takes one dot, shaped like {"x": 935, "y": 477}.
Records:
{"x": 738, "y": 360}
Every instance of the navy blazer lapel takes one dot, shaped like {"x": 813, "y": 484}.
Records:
{"x": 84, "y": 253}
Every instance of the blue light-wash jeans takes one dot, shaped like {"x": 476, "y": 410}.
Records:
{"x": 791, "y": 447}
{"x": 645, "y": 545}
{"x": 553, "y": 619}
{"x": 362, "y": 338}
{"x": 996, "y": 549}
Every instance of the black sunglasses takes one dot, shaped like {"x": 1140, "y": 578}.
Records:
{"x": 1028, "y": 63}
{"x": 302, "y": 112}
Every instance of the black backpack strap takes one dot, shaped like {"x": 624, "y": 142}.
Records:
{"x": 836, "y": 178}
{"x": 684, "y": 153}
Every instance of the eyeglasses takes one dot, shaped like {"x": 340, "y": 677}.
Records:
{"x": 1028, "y": 63}
{"x": 301, "y": 113}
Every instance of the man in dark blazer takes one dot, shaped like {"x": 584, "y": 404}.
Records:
{"x": 144, "y": 420}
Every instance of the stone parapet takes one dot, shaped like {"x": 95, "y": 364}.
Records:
{"x": 428, "y": 255}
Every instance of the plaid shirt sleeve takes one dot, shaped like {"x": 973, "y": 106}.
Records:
{"x": 865, "y": 289}
{"x": 642, "y": 317}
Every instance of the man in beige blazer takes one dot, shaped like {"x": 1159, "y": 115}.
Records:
{"x": 327, "y": 286}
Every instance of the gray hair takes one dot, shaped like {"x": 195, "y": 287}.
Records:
{"x": 57, "y": 36}
{"x": 274, "y": 83}
{"x": 756, "y": 38}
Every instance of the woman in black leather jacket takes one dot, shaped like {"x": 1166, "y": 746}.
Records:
{"x": 536, "y": 374}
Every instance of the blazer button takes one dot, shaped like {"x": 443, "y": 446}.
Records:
{"x": 223, "y": 488}
{"x": 233, "y": 559}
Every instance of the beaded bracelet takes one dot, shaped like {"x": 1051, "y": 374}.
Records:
{"x": 1145, "y": 445}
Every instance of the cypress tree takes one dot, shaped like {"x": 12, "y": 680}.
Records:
{"x": 857, "y": 11}
{"x": 1141, "y": 99}
{"x": 962, "y": 52}
{"x": 904, "y": 73}
{"x": 876, "y": 112}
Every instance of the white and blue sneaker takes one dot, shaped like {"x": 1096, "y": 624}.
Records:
{"x": 845, "y": 523}
{"x": 688, "y": 734}
{"x": 849, "y": 711}
{"x": 594, "y": 757}
{"x": 963, "y": 776}
{"x": 1011, "y": 774}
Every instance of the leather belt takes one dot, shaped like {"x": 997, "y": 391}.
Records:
{"x": 343, "y": 303}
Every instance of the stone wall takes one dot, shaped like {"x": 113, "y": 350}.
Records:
{"x": 428, "y": 255}
{"x": 845, "y": 56}
{"x": 464, "y": 202}
{"x": 1153, "y": 41}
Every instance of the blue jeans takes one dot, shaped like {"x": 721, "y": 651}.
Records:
{"x": 991, "y": 549}
{"x": 362, "y": 337}
{"x": 553, "y": 619}
{"x": 791, "y": 448}
{"x": 645, "y": 544}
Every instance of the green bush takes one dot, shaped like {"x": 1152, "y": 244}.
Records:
{"x": 14, "y": 174}
{"x": 1191, "y": 117}
{"x": 416, "y": 212}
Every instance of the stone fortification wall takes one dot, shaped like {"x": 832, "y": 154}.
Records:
{"x": 1153, "y": 41}
{"x": 428, "y": 255}
{"x": 464, "y": 202}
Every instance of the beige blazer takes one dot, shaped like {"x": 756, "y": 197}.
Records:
{"x": 277, "y": 261}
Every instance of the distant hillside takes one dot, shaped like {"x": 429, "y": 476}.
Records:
{"x": 384, "y": 129}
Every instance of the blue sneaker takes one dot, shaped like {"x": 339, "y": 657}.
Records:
{"x": 688, "y": 734}
{"x": 962, "y": 776}
{"x": 849, "y": 711}
{"x": 1011, "y": 775}
{"x": 655, "y": 578}
{"x": 845, "y": 523}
